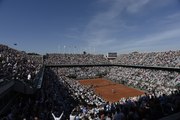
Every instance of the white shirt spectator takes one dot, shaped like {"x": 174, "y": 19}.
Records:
{"x": 72, "y": 117}
{"x": 57, "y": 118}
{"x": 29, "y": 76}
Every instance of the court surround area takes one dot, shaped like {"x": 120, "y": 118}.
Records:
{"x": 109, "y": 90}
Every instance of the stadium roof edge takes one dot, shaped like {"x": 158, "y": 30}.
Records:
{"x": 117, "y": 65}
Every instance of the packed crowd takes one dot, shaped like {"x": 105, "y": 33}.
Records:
{"x": 161, "y": 102}
{"x": 18, "y": 65}
{"x": 151, "y": 105}
{"x": 145, "y": 107}
{"x": 158, "y": 81}
{"x": 85, "y": 94}
{"x": 163, "y": 59}
{"x": 48, "y": 103}
{"x": 56, "y": 59}
{"x": 83, "y": 72}
{"x": 61, "y": 95}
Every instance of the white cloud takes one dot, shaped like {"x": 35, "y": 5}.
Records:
{"x": 136, "y": 6}
{"x": 174, "y": 16}
{"x": 102, "y": 26}
{"x": 169, "y": 36}
{"x": 104, "y": 29}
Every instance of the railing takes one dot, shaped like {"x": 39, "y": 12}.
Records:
{"x": 117, "y": 65}
{"x": 39, "y": 78}
{"x": 6, "y": 86}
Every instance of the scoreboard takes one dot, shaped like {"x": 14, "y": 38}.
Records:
{"x": 112, "y": 55}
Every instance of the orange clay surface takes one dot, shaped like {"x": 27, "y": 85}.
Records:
{"x": 109, "y": 90}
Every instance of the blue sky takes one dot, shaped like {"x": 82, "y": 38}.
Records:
{"x": 95, "y": 26}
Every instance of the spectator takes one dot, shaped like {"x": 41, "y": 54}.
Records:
{"x": 57, "y": 118}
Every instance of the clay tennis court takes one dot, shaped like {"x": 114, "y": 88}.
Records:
{"x": 109, "y": 90}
